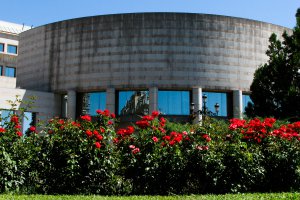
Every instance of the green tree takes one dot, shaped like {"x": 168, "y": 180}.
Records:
{"x": 275, "y": 90}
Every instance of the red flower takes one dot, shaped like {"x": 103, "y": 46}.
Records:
{"x": 76, "y": 124}
{"x": 32, "y": 129}
{"x": 19, "y": 133}
{"x": 155, "y": 114}
{"x": 88, "y": 133}
{"x": 17, "y": 126}
{"x": 148, "y": 118}
{"x": 86, "y": 118}
{"x": 142, "y": 124}
{"x": 50, "y": 131}
{"x": 155, "y": 139}
{"x": 98, "y": 145}
{"x": 130, "y": 130}
{"x": 109, "y": 123}
{"x": 206, "y": 137}
{"x": 106, "y": 112}
{"x": 131, "y": 147}
{"x": 2, "y": 130}
{"x": 95, "y": 132}
{"x": 135, "y": 151}
{"x": 99, "y": 112}
{"x": 61, "y": 121}
{"x": 102, "y": 130}
{"x": 99, "y": 137}
{"x": 116, "y": 140}
{"x": 112, "y": 115}
{"x": 14, "y": 119}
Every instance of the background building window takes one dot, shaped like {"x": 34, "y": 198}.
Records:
{"x": 10, "y": 71}
{"x": 5, "y": 116}
{"x": 217, "y": 97}
{"x": 246, "y": 100}
{"x": 28, "y": 121}
{"x": 12, "y": 49}
{"x": 133, "y": 102}
{"x": 1, "y": 47}
{"x": 174, "y": 102}
{"x": 92, "y": 102}
{"x": 1, "y": 70}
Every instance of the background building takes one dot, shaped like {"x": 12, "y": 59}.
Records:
{"x": 165, "y": 61}
{"x": 45, "y": 104}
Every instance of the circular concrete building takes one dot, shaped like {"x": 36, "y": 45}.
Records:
{"x": 136, "y": 63}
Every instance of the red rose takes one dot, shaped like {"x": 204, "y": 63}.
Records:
{"x": 155, "y": 114}
{"x": 19, "y": 133}
{"x": 112, "y": 115}
{"x": 99, "y": 137}
{"x": 14, "y": 119}
{"x": 2, "y": 130}
{"x": 130, "y": 130}
{"x": 155, "y": 139}
{"x": 131, "y": 147}
{"x": 109, "y": 123}
{"x": 86, "y": 118}
{"x": 88, "y": 133}
{"x": 135, "y": 151}
{"x": 98, "y": 145}
{"x": 99, "y": 111}
{"x": 32, "y": 129}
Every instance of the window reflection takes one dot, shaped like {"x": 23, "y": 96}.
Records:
{"x": 246, "y": 100}
{"x": 174, "y": 102}
{"x": 93, "y": 101}
{"x": 133, "y": 102}
{"x": 217, "y": 97}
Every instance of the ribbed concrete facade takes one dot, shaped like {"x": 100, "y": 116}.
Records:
{"x": 165, "y": 50}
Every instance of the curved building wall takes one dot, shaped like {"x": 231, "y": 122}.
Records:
{"x": 163, "y": 50}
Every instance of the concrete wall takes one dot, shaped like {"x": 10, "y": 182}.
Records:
{"x": 7, "y": 82}
{"x": 162, "y": 50}
{"x": 46, "y": 104}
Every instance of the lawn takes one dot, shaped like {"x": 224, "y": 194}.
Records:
{"x": 261, "y": 196}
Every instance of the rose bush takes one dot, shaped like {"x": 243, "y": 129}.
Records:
{"x": 152, "y": 156}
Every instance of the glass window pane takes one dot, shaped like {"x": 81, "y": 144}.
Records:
{"x": 217, "y": 97}
{"x": 1, "y": 47}
{"x": 246, "y": 100}
{"x": 174, "y": 102}
{"x": 27, "y": 121}
{"x": 1, "y": 69}
{"x": 4, "y": 115}
{"x": 12, "y": 49}
{"x": 92, "y": 102}
{"x": 10, "y": 71}
{"x": 133, "y": 102}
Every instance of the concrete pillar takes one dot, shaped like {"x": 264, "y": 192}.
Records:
{"x": 111, "y": 99}
{"x": 153, "y": 99}
{"x": 71, "y": 104}
{"x": 197, "y": 100}
{"x": 237, "y": 104}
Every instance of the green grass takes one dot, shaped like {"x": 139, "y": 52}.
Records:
{"x": 256, "y": 196}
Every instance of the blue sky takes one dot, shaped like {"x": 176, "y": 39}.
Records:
{"x": 39, "y": 12}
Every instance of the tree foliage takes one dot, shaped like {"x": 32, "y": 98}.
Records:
{"x": 275, "y": 90}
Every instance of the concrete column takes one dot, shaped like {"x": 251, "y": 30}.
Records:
{"x": 111, "y": 99}
{"x": 197, "y": 100}
{"x": 71, "y": 104}
{"x": 153, "y": 99}
{"x": 237, "y": 104}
